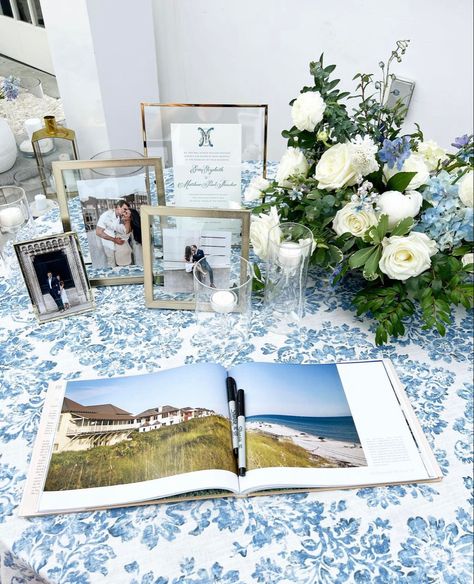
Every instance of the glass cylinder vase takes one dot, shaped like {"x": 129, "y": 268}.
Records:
{"x": 14, "y": 215}
{"x": 223, "y": 300}
{"x": 289, "y": 251}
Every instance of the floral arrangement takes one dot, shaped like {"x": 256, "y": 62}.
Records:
{"x": 9, "y": 88}
{"x": 394, "y": 207}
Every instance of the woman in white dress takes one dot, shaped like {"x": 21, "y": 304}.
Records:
{"x": 64, "y": 298}
{"x": 123, "y": 252}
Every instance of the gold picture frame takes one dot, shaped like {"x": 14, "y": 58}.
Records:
{"x": 207, "y": 106}
{"x": 237, "y": 237}
{"x": 59, "y": 255}
{"x": 70, "y": 175}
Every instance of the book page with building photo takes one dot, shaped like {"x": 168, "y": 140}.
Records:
{"x": 111, "y": 212}
{"x": 139, "y": 437}
{"x": 183, "y": 248}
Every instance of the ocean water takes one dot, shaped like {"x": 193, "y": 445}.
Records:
{"x": 340, "y": 428}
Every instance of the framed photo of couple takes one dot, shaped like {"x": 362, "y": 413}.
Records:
{"x": 175, "y": 239}
{"x": 101, "y": 201}
{"x": 55, "y": 276}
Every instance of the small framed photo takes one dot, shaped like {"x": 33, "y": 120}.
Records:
{"x": 101, "y": 201}
{"x": 55, "y": 276}
{"x": 176, "y": 238}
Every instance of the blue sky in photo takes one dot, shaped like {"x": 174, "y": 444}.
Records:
{"x": 190, "y": 386}
{"x": 292, "y": 390}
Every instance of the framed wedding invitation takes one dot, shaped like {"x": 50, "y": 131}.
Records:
{"x": 211, "y": 149}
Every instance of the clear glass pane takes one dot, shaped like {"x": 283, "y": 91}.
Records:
{"x": 39, "y": 13}
{"x": 5, "y": 8}
{"x": 23, "y": 10}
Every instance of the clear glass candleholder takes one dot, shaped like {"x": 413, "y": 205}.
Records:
{"x": 223, "y": 300}
{"x": 289, "y": 251}
{"x": 14, "y": 216}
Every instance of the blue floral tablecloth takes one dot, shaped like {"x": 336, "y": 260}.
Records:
{"x": 412, "y": 533}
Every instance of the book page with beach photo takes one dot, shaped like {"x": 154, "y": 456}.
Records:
{"x": 325, "y": 425}
{"x": 130, "y": 439}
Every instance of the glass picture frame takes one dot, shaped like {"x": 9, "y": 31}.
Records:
{"x": 210, "y": 152}
{"x": 55, "y": 276}
{"x": 175, "y": 238}
{"x": 101, "y": 201}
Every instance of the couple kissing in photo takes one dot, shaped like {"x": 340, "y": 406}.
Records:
{"x": 192, "y": 255}
{"x": 120, "y": 232}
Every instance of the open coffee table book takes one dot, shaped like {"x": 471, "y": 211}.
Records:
{"x": 157, "y": 437}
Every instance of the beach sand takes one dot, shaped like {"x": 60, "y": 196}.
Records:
{"x": 335, "y": 451}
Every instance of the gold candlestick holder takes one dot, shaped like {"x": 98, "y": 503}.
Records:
{"x": 64, "y": 140}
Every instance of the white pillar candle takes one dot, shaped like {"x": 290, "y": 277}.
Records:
{"x": 11, "y": 217}
{"x": 40, "y": 202}
{"x": 289, "y": 254}
{"x": 223, "y": 301}
{"x": 31, "y": 126}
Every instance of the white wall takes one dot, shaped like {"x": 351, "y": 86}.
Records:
{"x": 104, "y": 59}
{"x": 25, "y": 42}
{"x": 258, "y": 51}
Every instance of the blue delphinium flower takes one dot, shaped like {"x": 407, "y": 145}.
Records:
{"x": 395, "y": 152}
{"x": 10, "y": 87}
{"x": 448, "y": 221}
{"x": 462, "y": 141}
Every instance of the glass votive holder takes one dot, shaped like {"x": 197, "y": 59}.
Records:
{"x": 30, "y": 180}
{"x": 14, "y": 209}
{"x": 122, "y": 154}
{"x": 289, "y": 251}
{"x": 33, "y": 85}
{"x": 223, "y": 299}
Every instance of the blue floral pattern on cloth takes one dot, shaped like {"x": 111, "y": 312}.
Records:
{"x": 416, "y": 533}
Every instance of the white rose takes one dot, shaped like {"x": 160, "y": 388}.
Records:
{"x": 414, "y": 163}
{"x": 467, "y": 259}
{"x": 307, "y": 110}
{"x": 406, "y": 257}
{"x": 432, "y": 153}
{"x": 292, "y": 163}
{"x": 398, "y": 206}
{"x": 256, "y": 188}
{"x": 259, "y": 231}
{"x": 466, "y": 189}
{"x": 335, "y": 168}
{"x": 350, "y": 220}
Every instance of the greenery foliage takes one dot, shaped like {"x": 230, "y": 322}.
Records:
{"x": 447, "y": 281}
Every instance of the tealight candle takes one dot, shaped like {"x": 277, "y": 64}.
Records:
{"x": 40, "y": 202}
{"x": 11, "y": 217}
{"x": 223, "y": 301}
{"x": 289, "y": 254}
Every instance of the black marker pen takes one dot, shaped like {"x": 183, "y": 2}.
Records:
{"x": 231, "y": 389}
{"x": 241, "y": 431}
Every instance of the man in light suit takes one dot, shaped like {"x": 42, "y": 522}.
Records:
{"x": 54, "y": 289}
{"x": 198, "y": 254}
